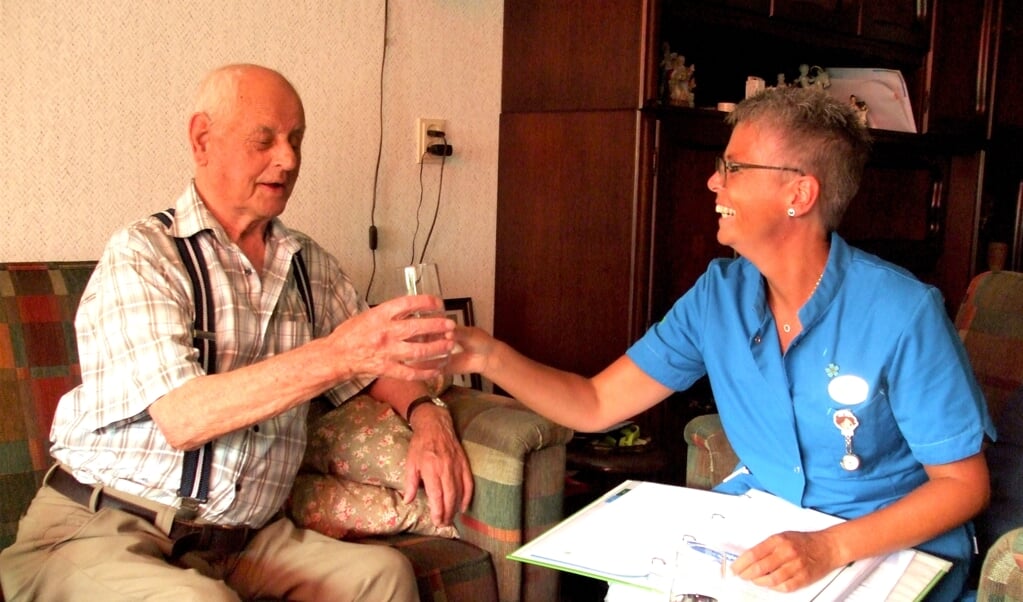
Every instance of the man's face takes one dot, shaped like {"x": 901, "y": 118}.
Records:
{"x": 249, "y": 163}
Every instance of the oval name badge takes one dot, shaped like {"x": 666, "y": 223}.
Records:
{"x": 848, "y": 389}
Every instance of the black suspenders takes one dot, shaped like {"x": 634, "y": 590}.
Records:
{"x": 204, "y": 337}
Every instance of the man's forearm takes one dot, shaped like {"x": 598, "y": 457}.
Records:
{"x": 207, "y": 407}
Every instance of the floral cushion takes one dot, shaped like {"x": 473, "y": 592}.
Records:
{"x": 353, "y": 472}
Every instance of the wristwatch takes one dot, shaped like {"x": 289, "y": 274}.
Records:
{"x": 419, "y": 401}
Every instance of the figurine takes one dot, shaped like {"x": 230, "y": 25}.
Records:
{"x": 813, "y": 77}
{"x": 781, "y": 81}
{"x": 804, "y": 80}
{"x": 681, "y": 82}
{"x": 820, "y": 76}
{"x": 861, "y": 109}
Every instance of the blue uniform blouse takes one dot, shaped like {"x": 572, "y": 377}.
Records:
{"x": 868, "y": 321}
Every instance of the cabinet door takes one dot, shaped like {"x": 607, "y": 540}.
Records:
{"x": 959, "y": 82}
{"x": 565, "y": 219}
{"x": 903, "y": 22}
{"x": 685, "y": 223}
{"x": 898, "y": 212}
{"x": 833, "y": 16}
{"x": 565, "y": 56}
{"x": 1008, "y": 110}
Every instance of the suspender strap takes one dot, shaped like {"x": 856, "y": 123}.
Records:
{"x": 306, "y": 291}
{"x": 205, "y": 340}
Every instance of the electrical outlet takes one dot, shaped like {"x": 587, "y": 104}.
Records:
{"x": 423, "y": 140}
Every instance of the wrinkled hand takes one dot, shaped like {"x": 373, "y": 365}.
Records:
{"x": 378, "y": 342}
{"x": 787, "y": 561}
{"x": 436, "y": 458}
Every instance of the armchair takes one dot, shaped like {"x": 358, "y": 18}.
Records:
{"x": 517, "y": 457}
{"x": 990, "y": 323}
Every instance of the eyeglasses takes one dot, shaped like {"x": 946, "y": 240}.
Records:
{"x": 725, "y": 167}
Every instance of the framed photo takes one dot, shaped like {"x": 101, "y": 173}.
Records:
{"x": 459, "y": 309}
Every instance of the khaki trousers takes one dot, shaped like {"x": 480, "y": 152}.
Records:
{"x": 65, "y": 552}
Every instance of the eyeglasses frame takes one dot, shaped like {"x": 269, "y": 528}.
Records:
{"x": 723, "y": 167}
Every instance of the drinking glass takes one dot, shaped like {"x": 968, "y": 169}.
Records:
{"x": 423, "y": 279}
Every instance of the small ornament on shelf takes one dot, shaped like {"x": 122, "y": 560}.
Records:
{"x": 678, "y": 81}
{"x": 861, "y": 109}
{"x": 812, "y": 77}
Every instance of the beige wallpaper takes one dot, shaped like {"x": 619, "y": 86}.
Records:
{"x": 95, "y": 95}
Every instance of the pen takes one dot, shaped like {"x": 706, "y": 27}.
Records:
{"x": 718, "y": 555}
{"x": 617, "y": 495}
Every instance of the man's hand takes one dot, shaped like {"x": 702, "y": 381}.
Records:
{"x": 436, "y": 458}
{"x": 787, "y": 561}
{"x": 383, "y": 341}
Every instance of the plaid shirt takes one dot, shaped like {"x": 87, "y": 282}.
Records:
{"x": 134, "y": 327}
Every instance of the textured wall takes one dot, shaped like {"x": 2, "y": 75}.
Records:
{"x": 95, "y": 97}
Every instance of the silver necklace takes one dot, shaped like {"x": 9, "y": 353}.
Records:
{"x": 786, "y": 327}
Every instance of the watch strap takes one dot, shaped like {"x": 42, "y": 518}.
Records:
{"x": 418, "y": 401}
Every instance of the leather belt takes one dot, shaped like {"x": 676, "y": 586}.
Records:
{"x": 187, "y": 535}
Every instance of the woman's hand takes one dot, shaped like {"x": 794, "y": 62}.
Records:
{"x": 788, "y": 561}
{"x": 473, "y": 351}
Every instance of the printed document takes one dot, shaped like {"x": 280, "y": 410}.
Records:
{"x": 666, "y": 538}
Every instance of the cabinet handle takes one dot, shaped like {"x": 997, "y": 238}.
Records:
{"x": 933, "y": 217}
{"x": 1017, "y": 235}
{"x": 983, "y": 56}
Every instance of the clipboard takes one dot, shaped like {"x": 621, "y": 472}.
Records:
{"x": 637, "y": 535}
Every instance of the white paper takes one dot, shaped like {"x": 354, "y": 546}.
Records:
{"x": 884, "y": 91}
{"x": 636, "y": 535}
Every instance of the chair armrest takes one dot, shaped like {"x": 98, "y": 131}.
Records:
{"x": 518, "y": 462}
{"x": 1001, "y": 577}
{"x": 709, "y": 456}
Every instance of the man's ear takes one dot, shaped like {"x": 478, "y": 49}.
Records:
{"x": 198, "y": 137}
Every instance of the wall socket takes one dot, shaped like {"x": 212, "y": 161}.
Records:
{"x": 424, "y": 124}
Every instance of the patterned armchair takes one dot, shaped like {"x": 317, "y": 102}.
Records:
{"x": 990, "y": 323}
{"x": 518, "y": 458}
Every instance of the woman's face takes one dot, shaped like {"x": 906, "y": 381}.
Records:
{"x": 752, "y": 202}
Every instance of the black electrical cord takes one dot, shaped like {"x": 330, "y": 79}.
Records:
{"x": 376, "y": 172}
{"x": 436, "y": 208}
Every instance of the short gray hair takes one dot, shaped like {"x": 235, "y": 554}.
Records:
{"x": 218, "y": 91}
{"x": 821, "y": 134}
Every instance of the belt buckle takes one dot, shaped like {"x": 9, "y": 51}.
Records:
{"x": 188, "y": 510}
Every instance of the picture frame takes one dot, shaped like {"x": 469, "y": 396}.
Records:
{"x": 459, "y": 309}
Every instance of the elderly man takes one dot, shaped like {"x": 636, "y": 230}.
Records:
{"x": 126, "y": 513}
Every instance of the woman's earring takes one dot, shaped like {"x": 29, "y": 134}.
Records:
{"x": 791, "y": 212}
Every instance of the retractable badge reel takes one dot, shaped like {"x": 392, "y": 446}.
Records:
{"x": 847, "y": 390}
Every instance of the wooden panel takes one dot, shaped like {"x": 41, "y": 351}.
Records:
{"x": 1008, "y": 110}
{"x": 834, "y": 16}
{"x": 572, "y": 55}
{"x": 900, "y": 21}
{"x": 958, "y": 82}
{"x": 685, "y": 223}
{"x": 566, "y": 194}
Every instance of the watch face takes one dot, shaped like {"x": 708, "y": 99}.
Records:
{"x": 439, "y": 402}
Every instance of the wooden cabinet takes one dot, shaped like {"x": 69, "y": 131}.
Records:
{"x": 1001, "y": 207}
{"x": 604, "y": 218}
{"x": 570, "y": 187}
